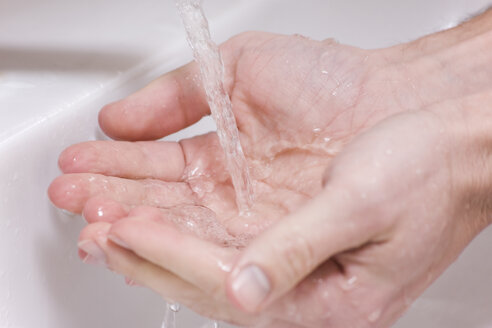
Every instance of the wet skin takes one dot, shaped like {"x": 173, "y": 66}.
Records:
{"x": 362, "y": 195}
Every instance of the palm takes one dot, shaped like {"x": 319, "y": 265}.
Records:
{"x": 290, "y": 132}
{"x": 296, "y": 102}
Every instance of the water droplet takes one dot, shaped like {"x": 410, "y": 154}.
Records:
{"x": 224, "y": 267}
{"x": 352, "y": 281}
{"x": 326, "y": 139}
{"x": 170, "y": 315}
{"x": 349, "y": 284}
{"x": 374, "y": 316}
{"x": 324, "y": 72}
{"x": 175, "y": 307}
{"x": 100, "y": 212}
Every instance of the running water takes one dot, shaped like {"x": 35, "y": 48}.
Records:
{"x": 170, "y": 315}
{"x": 207, "y": 55}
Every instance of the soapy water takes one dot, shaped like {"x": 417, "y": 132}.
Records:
{"x": 208, "y": 57}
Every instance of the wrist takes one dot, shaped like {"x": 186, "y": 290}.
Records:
{"x": 446, "y": 38}
{"x": 454, "y": 71}
{"x": 468, "y": 135}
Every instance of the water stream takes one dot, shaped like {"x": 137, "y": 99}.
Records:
{"x": 207, "y": 55}
{"x": 170, "y": 315}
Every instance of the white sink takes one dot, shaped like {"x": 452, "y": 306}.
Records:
{"x": 61, "y": 61}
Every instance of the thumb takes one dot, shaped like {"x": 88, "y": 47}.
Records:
{"x": 290, "y": 250}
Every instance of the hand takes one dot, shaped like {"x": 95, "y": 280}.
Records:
{"x": 343, "y": 105}
{"x": 292, "y": 122}
{"x": 314, "y": 109}
{"x": 399, "y": 206}
{"x": 357, "y": 255}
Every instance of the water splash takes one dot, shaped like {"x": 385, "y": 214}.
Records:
{"x": 207, "y": 55}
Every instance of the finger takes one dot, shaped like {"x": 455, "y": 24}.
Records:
{"x": 72, "y": 191}
{"x": 321, "y": 299}
{"x": 199, "y": 262}
{"x": 104, "y": 209}
{"x": 140, "y": 160}
{"x": 93, "y": 243}
{"x": 197, "y": 220}
{"x": 167, "y": 105}
{"x": 147, "y": 212}
{"x": 286, "y": 253}
{"x": 194, "y": 219}
{"x": 94, "y": 248}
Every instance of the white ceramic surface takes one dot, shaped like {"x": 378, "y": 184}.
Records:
{"x": 60, "y": 61}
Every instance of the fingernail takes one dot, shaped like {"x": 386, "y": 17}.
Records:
{"x": 251, "y": 287}
{"x": 118, "y": 241}
{"x": 95, "y": 254}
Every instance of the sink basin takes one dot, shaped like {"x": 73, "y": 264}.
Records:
{"x": 61, "y": 61}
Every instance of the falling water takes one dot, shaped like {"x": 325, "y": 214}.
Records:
{"x": 211, "y": 324}
{"x": 170, "y": 315}
{"x": 207, "y": 55}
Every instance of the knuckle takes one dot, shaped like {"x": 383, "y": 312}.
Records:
{"x": 298, "y": 255}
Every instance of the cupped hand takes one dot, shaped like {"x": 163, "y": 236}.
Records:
{"x": 169, "y": 212}
{"x": 296, "y": 102}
